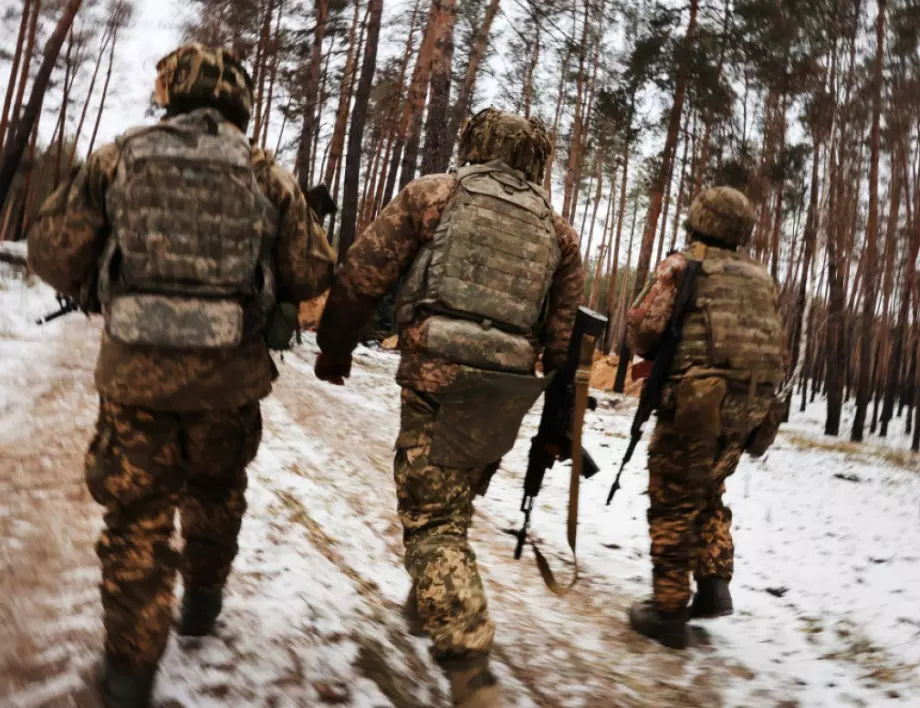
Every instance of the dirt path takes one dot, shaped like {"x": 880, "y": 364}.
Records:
{"x": 49, "y": 620}
{"x": 312, "y": 614}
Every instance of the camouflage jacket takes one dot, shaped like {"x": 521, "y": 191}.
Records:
{"x": 385, "y": 252}
{"x": 648, "y": 317}
{"x": 65, "y": 247}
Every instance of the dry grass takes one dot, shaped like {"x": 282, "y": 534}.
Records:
{"x": 859, "y": 452}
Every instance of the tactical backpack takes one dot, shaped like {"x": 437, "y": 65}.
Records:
{"x": 187, "y": 264}
{"x": 733, "y": 328}
{"x": 484, "y": 278}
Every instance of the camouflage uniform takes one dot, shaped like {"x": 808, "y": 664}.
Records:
{"x": 713, "y": 405}
{"x": 176, "y": 428}
{"x": 436, "y": 500}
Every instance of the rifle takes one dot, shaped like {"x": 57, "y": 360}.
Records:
{"x": 559, "y": 434}
{"x": 67, "y": 305}
{"x": 650, "y": 398}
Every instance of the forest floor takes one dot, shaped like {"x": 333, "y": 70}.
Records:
{"x": 827, "y": 584}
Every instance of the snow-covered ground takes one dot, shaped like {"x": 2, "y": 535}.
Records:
{"x": 827, "y": 583}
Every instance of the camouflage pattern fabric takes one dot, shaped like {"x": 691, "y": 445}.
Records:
{"x": 722, "y": 214}
{"x": 522, "y": 144}
{"x": 386, "y": 251}
{"x": 142, "y": 466}
{"x": 160, "y": 379}
{"x": 436, "y": 508}
{"x": 690, "y": 527}
{"x": 195, "y": 71}
{"x": 648, "y": 317}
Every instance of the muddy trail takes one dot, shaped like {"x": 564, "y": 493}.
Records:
{"x": 312, "y": 614}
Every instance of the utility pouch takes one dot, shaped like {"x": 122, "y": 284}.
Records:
{"x": 281, "y": 327}
{"x": 698, "y": 406}
{"x": 472, "y": 344}
{"x": 174, "y": 322}
{"x": 479, "y": 416}
{"x": 764, "y": 435}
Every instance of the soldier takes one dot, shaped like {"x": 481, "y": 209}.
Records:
{"x": 492, "y": 275}
{"x": 721, "y": 401}
{"x": 200, "y": 238}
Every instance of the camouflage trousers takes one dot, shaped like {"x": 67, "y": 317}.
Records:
{"x": 142, "y": 466}
{"x": 689, "y": 525}
{"x": 436, "y": 508}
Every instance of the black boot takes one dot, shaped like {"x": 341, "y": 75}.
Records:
{"x": 713, "y": 599}
{"x": 667, "y": 628}
{"x": 200, "y": 610}
{"x": 118, "y": 690}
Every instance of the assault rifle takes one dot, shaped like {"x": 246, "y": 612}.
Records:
{"x": 67, "y": 305}
{"x": 650, "y": 398}
{"x": 559, "y": 434}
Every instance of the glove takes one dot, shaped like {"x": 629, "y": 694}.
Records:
{"x": 331, "y": 370}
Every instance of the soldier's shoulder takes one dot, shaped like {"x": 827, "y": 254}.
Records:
{"x": 431, "y": 187}
{"x": 279, "y": 183}
{"x": 565, "y": 233}
{"x": 104, "y": 160}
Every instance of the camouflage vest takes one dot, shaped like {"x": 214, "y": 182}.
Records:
{"x": 734, "y": 326}
{"x": 188, "y": 261}
{"x": 487, "y": 271}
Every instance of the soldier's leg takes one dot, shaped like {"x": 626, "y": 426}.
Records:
{"x": 435, "y": 507}
{"x": 716, "y": 555}
{"x": 217, "y": 446}
{"x": 679, "y": 469}
{"x": 133, "y": 468}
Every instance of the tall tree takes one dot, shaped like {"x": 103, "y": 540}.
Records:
{"x": 438, "y": 141}
{"x": 870, "y": 291}
{"x": 356, "y": 133}
{"x": 16, "y": 146}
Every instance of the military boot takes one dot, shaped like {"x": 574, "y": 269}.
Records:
{"x": 713, "y": 599}
{"x": 667, "y": 628}
{"x": 472, "y": 683}
{"x": 119, "y": 690}
{"x": 414, "y": 622}
{"x": 200, "y": 610}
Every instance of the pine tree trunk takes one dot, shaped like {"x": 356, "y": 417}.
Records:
{"x": 105, "y": 91}
{"x": 418, "y": 92}
{"x": 89, "y": 94}
{"x": 402, "y": 131}
{"x": 664, "y": 169}
{"x": 356, "y": 133}
{"x": 69, "y": 71}
{"x": 575, "y": 145}
{"x": 262, "y": 64}
{"x": 527, "y": 93}
{"x": 15, "y": 147}
{"x": 276, "y": 59}
{"x": 869, "y": 289}
{"x": 14, "y": 70}
{"x": 465, "y": 95}
{"x": 337, "y": 143}
{"x": 438, "y": 142}
{"x": 24, "y": 73}
{"x": 548, "y": 177}
{"x": 305, "y": 152}
{"x": 621, "y": 215}
{"x": 606, "y": 237}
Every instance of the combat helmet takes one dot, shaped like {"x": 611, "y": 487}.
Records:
{"x": 722, "y": 214}
{"x": 521, "y": 143}
{"x": 196, "y": 75}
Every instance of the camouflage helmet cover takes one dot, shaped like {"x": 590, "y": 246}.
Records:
{"x": 196, "y": 71}
{"x": 521, "y": 143}
{"x": 722, "y": 214}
